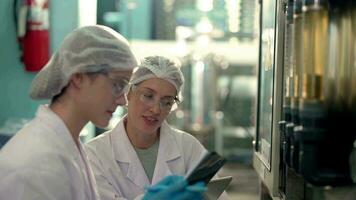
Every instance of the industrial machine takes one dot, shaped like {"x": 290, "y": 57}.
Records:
{"x": 305, "y": 143}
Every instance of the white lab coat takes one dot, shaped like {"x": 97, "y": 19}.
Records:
{"x": 118, "y": 170}
{"x": 42, "y": 162}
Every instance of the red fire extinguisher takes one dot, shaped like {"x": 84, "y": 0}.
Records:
{"x": 33, "y": 33}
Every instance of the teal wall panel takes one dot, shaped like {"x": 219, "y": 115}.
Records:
{"x": 14, "y": 80}
{"x": 136, "y": 23}
{"x": 63, "y": 19}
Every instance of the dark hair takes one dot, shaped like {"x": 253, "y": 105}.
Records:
{"x": 55, "y": 97}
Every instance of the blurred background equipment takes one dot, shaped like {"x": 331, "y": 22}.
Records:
{"x": 306, "y": 114}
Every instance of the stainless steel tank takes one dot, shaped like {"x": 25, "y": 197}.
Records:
{"x": 200, "y": 95}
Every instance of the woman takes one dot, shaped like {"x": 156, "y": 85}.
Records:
{"x": 85, "y": 81}
{"x": 143, "y": 148}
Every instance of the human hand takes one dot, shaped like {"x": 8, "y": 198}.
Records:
{"x": 175, "y": 188}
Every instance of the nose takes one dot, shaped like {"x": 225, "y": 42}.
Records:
{"x": 120, "y": 100}
{"x": 155, "y": 108}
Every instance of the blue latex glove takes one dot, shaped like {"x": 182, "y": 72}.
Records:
{"x": 175, "y": 188}
{"x": 195, "y": 191}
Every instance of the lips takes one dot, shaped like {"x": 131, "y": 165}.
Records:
{"x": 110, "y": 112}
{"x": 150, "y": 120}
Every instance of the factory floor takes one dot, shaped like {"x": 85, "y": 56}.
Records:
{"x": 245, "y": 184}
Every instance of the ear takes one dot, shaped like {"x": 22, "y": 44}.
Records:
{"x": 77, "y": 80}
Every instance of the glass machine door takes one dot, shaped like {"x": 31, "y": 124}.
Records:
{"x": 265, "y": 82}
{"x": 270, "y": 79}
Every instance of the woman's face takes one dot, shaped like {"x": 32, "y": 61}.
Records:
{"x": 103, "y": 94}
{"x": 149, "y": 103}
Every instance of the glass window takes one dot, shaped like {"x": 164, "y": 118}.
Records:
{"x": 266, "y": 79}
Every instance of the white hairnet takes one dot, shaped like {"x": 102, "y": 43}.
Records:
{"x": 159, "y": 67}
{"x": 86, "y": 49}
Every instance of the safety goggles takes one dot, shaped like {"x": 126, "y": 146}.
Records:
{"x": 148, "y": 97}
{"x": 120, "y": 84}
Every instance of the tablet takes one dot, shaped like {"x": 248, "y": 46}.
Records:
{"x": 216, "y": 187}
{"x": 206, "y": 168}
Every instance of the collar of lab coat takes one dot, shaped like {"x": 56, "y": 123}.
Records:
{"x": 125, "y": 153}
{"x": 51, "y": 119}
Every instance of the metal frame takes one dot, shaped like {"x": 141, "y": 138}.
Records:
{"x": 269, "y": 173}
